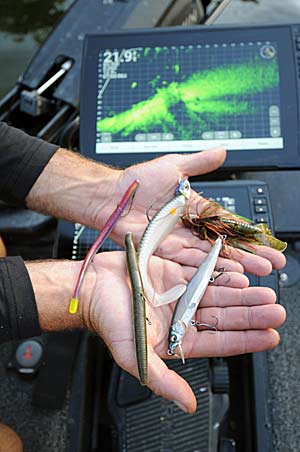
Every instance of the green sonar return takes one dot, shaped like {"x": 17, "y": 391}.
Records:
{"x": 204, "y": 97}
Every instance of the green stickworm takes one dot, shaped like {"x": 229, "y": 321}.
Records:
{"x": 139, "y": 309}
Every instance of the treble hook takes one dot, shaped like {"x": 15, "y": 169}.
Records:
{"x": 221, "y": 271}
{"x": 208, "y": 326}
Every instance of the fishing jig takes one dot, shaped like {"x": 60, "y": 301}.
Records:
{"x": 240, "y": 231}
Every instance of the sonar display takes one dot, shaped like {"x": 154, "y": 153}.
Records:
{"x": 186, "y": 98}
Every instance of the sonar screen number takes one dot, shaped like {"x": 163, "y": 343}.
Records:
{"x": 123, "y": 56}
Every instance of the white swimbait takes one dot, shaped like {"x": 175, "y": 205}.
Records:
{"x": 157, "y": 230}
{"x": 188, "y": 303}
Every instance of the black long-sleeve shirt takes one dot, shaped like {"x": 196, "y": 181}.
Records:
{"x": 22, "y": 159}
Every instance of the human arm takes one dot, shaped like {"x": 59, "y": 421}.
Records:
{"x": 246, "y": 316}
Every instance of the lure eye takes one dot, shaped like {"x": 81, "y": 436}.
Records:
{"x": 173, "y": 338}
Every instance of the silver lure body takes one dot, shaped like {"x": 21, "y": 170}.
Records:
{"x": 157, "y": 230}
{"x": 189, "y": 301}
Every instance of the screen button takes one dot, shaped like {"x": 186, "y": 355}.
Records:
{"x": 221, "y": 135}
{"x": 274, "y": 110}
{"x": 208, "y": 135}
{"x": 267, "y": 51}
{"x": 106, "y": 138}
{"x": 274, "y": 121}
{"x": 235, "y": 134}
{"x": 154, "y": 136}
{"x": 140, "y": 137}
{"x": 275, "y": 131}
{"x": 167, "y": 136}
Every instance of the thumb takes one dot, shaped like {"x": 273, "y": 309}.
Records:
{"x": 168, "y": 384}
{"x": 201, "y": 162}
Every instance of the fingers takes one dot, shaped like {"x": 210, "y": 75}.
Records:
{"x": 229, "y": 343}
{"x": 168, "y": 384}
{"x": 276, "y": 258}
{"x": 261, "y": 263}
{"x": 226, "y": 279}
{"x": 161, "y": 380}
{"x": 194, "y": 257}
{"x": 243, "y": 317}
{"x": 201, "y": 162}
{"x": 230, "y": 279}
{"x": 187, "y": 249}
{"x": 223, "y": 296}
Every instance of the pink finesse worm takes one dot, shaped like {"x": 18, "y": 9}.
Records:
{"x": 107, "y": 228}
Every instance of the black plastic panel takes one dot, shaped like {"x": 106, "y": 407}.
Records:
{"x": 97, "y": 16}
{"x": 251, "y": 154}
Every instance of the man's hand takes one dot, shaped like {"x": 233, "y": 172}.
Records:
{"x": 245, "y": 320}
{"x": 158, "y": 179}
{"x": 245, "y": 316}
{"x": 81, "y": 190}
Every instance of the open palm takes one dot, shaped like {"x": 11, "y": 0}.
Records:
{"x": 246, "y": 318}
{"x": 158, "y": 179}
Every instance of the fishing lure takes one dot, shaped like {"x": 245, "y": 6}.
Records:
{"x": 188, "y": 303}
{"x": 139, "y": 309}
{"x": 157, "y": 230}
{"x": 241, "y": 233}
{"x": 109, "y": 225}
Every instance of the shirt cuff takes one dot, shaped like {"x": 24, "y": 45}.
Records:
{"x": 18, "y": 309}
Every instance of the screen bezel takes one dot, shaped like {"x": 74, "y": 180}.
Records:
{"x": 288, "y": 157}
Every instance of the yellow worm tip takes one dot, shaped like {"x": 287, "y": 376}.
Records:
{"x": 73, "y": 305}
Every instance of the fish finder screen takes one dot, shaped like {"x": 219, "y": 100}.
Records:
{"x": 188, "y": 97}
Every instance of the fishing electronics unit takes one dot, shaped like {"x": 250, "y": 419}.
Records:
{"x": 145, "y": 93}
